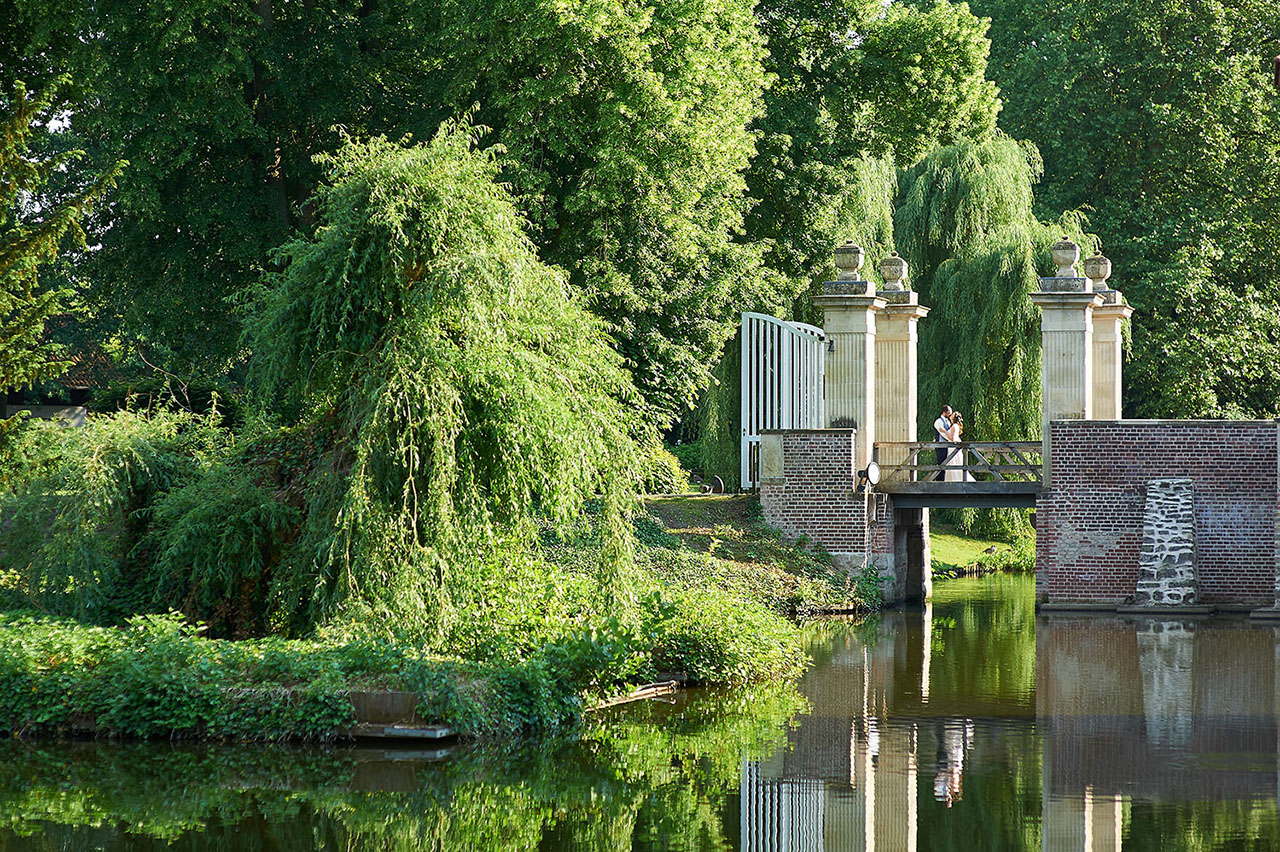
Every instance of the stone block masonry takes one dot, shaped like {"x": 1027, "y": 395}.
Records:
{"x": 1167, "y": 562}
{"x": 1090, "y": 517}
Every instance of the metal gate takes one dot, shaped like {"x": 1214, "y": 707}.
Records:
{"x": 782, "y": 370}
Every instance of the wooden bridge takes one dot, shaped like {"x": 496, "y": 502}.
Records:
{"x": 981, "y": 474}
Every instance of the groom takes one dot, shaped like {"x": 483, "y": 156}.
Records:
{"x": 941, "y": 427}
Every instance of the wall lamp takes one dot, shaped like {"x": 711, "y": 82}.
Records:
{"x": 868, "y": 477}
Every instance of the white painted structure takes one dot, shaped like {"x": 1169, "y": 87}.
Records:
{"x": 782, "y": 383}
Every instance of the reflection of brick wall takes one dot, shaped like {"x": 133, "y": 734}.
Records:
{"x": 1089, "y": 520}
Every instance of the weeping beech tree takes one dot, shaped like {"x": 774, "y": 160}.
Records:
{"x": 965, "y": 222}
{"x": 470, "y": 390}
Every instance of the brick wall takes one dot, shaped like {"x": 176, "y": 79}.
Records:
{"x": 1089, "y": 519}
{"x": 814, "y": 493}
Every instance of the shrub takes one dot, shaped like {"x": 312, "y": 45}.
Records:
{"x": 73, "y": 526}
{"x": 663, "y": 472}
{"x": 689, "y": 456}
{"x": 214, "y": 544}
{"x": 472, "y": 391}
{"x": 717, "y": 638}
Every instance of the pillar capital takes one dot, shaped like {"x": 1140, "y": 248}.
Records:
{"x": 848, "y": 306}
{"x": 1066, "y": 310}
{"x": 1113, "y": 305}
{"x": 901, "y": 313}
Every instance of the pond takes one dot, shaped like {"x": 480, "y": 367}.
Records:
{"x": 971, "y": 725}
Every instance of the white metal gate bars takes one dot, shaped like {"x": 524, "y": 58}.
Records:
{"x": 782, "y": 383}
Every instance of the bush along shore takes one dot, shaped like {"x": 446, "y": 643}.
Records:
{"x": 711, "y": 598}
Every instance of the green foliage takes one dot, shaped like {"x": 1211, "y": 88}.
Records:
{"x": 30, "y": 449}
{"x": 1018, "y": 558}
{"x": 625, "y": 128}
{"x": 39, "y": 212}
{"x": 159, "y": 677}
{"x": 965, "y": 222}
{"x": 158, "y": 391}
{"x": 663, "y": 472}
{"x": 929, "y": 70}
{"x": 857, "y": 85}
{"x": 1178, "y": 156}
{"x": 76, "y": 517}
{"x": 713, "y": 637}
{"x": 688, "y": 455}
{"x": 471, "y": 389}
{"x": 626, "y": 132}
{"x": 966, "y": 225}
{"x": 213, "y": 545}
{"x": 719, "y": 419}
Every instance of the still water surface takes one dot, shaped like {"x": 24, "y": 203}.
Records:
{"x": 973, "y": 725}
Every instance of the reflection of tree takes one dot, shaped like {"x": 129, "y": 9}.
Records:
{"x": 1202, "y": 826}
{"x": 987, "y": 642}
{"x": 650, "y": 773}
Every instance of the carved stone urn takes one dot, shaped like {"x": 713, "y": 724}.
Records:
{"x": 894, "y": 270}
{"x": 1065, "y": 253}
{"x": 849, "y": 259}
{"x": 1097, "y": 269}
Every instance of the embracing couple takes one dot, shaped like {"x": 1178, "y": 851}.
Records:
{"x": 948, "y": 428}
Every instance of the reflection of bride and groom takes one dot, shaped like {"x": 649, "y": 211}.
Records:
{"x": 947, "y": 429}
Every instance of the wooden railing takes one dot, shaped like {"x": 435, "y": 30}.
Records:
{"x": 984, "y": 461}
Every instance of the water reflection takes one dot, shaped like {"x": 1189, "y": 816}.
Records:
{"x": 975, "y": 725}
{"x": 970, "y": 725}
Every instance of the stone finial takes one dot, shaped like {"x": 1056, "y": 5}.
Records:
{"x": 1065, "y": 254}
{"x": 849, "y": 259}
{"x": 894, "y": 270}
{"x": 1097, "y": 269}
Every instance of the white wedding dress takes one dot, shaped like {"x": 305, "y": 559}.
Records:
{"x": 954, "y": 465}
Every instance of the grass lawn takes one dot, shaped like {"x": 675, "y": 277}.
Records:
{"x": 951, "y": 548}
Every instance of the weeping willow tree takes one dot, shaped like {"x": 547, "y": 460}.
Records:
{"x": 469, "y": 390}
{"x": 965, "y": 222}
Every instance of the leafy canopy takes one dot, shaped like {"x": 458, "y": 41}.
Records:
{"x": 39, "y": 212}
{"x": 1161, "y": 116}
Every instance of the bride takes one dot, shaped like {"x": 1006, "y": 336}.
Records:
{"x": 955, "y": 471}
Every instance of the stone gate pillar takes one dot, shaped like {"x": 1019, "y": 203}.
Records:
{"x": 849, "y": 307}
{"x": 1108, "y": 339}
{"x": 1066, "y": 303}
{"x": 897, "y": 363}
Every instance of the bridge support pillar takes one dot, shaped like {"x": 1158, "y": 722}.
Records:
{"x": 849, "y": 308}
{"x": 911, "y": 556}
{"x": 1066, "y": 303}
